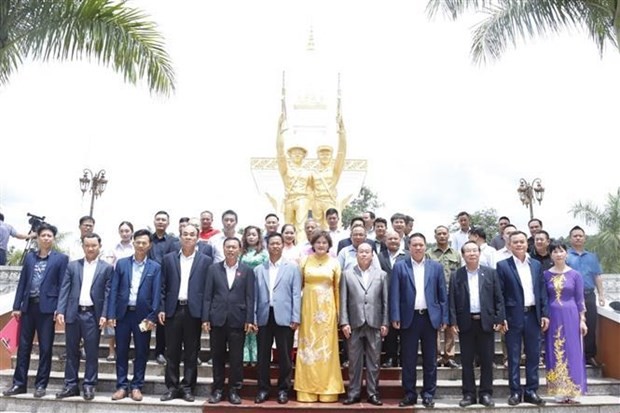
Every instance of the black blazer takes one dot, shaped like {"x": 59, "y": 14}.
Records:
{"x": 491, "y": 299}
{"x": 72, "y": 287}
{"x": 233, "y": 306}
{"x": 50, "y": 283}
{"x": 171, "y": 282}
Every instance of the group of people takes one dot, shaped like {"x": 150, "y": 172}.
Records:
{"x": 375, "y": 286}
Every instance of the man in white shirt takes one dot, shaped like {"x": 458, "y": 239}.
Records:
{"x": 461, "y": 236}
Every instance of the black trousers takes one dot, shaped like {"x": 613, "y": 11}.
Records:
{"x": 284, "y": 343}
{"x": 234, "y": 338}
{"x": 589, "y": 340}
{"x": 477, "y": 342}
{"x": 160, "y": 340}
{"x": 182, "y": 332}
{"x": 390, "y": 343}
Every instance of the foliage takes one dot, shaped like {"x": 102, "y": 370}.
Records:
{"x": 15, "y": 256}
{"x": 485, "y": 218}
{"x": 366, "y": 200}
{"x": 507, "y": 21}
{"x": 107, "y": 31}
{"x": 606, "y": 243}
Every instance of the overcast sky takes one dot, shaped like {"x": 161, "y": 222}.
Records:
{"x": 441, "y": 135}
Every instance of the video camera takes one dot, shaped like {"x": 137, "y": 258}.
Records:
{"x": 35, "y": 221}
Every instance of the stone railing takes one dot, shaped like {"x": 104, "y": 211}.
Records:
{"x": 611, "y": 286}
{"x": 9, "y": 276}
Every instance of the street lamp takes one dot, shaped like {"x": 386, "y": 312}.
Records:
{"x": 95, "y": 183}
{"x": 530, "y": 192}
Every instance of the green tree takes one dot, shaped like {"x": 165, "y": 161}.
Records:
{"x": 606, "y": 243}
{"x": 104, "y": 30}
{"x": 366, "y": 200}
{"x": 485, "y": 218}
{"x": 507, "y": 21}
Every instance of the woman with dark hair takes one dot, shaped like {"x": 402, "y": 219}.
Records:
{"x": 566, "y": 370}
{"x": 252, "y": 254}
{"x": 290, "y": 250}
{"x": 317, "y": 366}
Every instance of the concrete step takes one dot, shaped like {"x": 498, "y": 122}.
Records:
{"x": 151, "y": 403}
{"x": 388, "y": 388}
{"x": 205, "y": 370}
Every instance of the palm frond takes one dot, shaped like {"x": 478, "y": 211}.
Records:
{"x": 453, "y": 8}
{"x": 114, "y": 34}
{"x": 598, "y": 18}
{"x": 511, "y": 20}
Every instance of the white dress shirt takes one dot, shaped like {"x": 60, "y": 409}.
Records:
{"x": 474, "y": 290}
{"x": 186, "y": 268}
{"x": 88, "y": 275}
{"x": 231, "y": 273}
{"x": 137, "y": 269}
{"x": 525, "y": 275}
{"x": 418, "y": 279}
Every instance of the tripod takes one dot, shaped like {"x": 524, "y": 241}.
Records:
{"x": 35, "y": 222}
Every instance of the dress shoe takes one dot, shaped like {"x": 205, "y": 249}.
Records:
{"x": 345, "y": 364}
{"x": 39, "y": 392}
{"x": 68, "y": 392}
{"x": 467, "y": 400}
{"x": 375, "y": 400}
{"x": 233, "y": 397}
{"x": 216, "y": 397}
{"x": 428, "y": 402}
{"x": 388, "y": 363}
{"x": 592, "y": 362}
{"x": 89, "y": 393}
{"x": 514, "y": 399}
{"x": 282, "y": 397}
{"x": 169, "y": 395}
{"x": 160, "y": 359}
{"x": 14, "y": 390}
{"x": 351, "y": 400}
{"x": 188, "y": 396}
{"x": 533, "y": 398}
{"x": 136, "y": 395}
{"x": 119, "y": 394}
{"x": 408, "y": 401}
{"x": 261, "y": 397}
{"x": 452, "y": 364}
{"x": 487, "y": 401}
{"x": 111, "y": 357}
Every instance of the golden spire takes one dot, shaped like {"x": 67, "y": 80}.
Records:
{"x": 310, "y": 45}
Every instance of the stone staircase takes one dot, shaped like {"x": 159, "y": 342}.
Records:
{"x": 603, "y": 394}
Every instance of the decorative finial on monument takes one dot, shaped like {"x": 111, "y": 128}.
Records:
{"x": 283, "y": 97}
{"x": 310, "y": 45}
{"x": 338, "y": 113}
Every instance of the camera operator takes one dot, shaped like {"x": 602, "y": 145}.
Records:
{"x": 7, "y": 231}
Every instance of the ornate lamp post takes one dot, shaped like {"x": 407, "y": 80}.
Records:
{"x": 530, "y": 192}
{"x": 95, "y": 183}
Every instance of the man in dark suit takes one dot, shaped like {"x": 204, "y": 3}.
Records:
{"x": 476, "y": 312}
{"x": 228, "y": 313}
{"x": 83, "y": 306}
{"x": 418, "y": 284}
{"x": 387, "y": 259}
{"x": 36, "y": 300}
{"x": 278, "y": 305}
{"x": 525, "y": 301}
{"x": 183, "y": 281}
{"x": 364, "y": 321}
{"x": 133, "y": 306}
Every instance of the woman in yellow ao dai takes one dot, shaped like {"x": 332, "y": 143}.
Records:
{"x": 317, "y": 366}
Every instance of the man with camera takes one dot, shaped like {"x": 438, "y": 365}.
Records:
{"x": 7, "y": 231}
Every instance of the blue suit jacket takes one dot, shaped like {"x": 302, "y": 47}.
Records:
{"x": 149, "y": 292}
{"x": 223, "y": 305}
{"x": 50, "y": 283}
{"x": 286, "y": 294}
{"x": 72, "y": 286}
{"x": 171, "y": 282}
{"x": 403, "y": 291}
{"x": 513, "y": 290}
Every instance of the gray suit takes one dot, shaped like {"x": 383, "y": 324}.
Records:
{"x": 365, "y": 309}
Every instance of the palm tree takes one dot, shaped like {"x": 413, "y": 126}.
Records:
{"x": 607, "y": 242}
{"x": 508, "y": 20}
{"x": 107, "y": 30}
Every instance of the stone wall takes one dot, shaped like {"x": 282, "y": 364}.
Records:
{"x": 611, "y": 286}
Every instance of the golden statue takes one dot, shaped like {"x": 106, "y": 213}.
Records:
{"x": 297, "y": 181}
{"x": 326, "y": 176}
